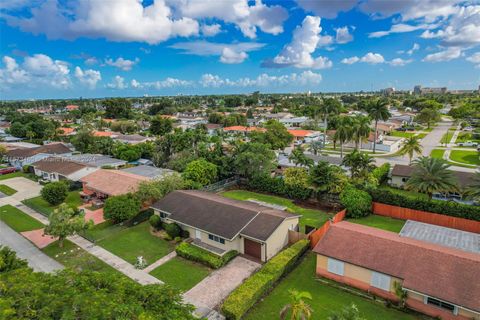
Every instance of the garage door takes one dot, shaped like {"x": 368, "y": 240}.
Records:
{"x": 252, "y": 248}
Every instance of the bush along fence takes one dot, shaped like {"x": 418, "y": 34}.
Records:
{"x": 248, "y": 293}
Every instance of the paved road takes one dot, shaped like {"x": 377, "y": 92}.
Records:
{"x": 38, "y": 260}
{"x": 433, "y": 139}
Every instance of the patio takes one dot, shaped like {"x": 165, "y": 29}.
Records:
{"x": 38, "y": 238}
{"x": 95, "y": 215}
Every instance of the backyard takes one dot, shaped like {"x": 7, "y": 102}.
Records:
{"x": 310, "y": 217}
{"x": 437, "y": 153}
{"x": 406, "y": 193}
{"x": 465, "y": 156}
{"x": 380, "y": 222}
{"x": 181, "y": 273}
{"x": 325, "y": 298}
{"x": 39, "y": 204}
{"x": 18, "y": 220}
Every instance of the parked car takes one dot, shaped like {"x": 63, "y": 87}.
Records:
{"x": 7, "y": 170}
{"x": 468, "y": 144}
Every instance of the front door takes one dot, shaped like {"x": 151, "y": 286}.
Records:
{"x": 252, "y": 248}
{"x": 198, "y": 234}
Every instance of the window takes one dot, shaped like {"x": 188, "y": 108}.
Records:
{"x": 335, "y": 266}
{"x": 380, "y": 281}
{"x": 216, "y": 239}
{"x": 441, "y": 304}
{"x": 163, "y": 215}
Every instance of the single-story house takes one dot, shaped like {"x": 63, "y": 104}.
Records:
{"x": 98, "y": 160}
{"x": 148, "y": 171}
{"x": 242, "y": 129}
{"x": 213, "y": 128}
{"x": 294, "y": 121}
{"x": 130, "y": 138}
{"x": 25, "y": 156}
{"x": 59, "y": 168}
{"x": 306, "y": 135}
{"x": 219, "y": 224}
{"x": 65, "y": 131}
{"x": 440, "y": 281}
{"x": 104, "y": 183}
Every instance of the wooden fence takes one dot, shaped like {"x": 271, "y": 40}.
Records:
{"x": 318, "y": 234}
{"x": 426, "y": 217}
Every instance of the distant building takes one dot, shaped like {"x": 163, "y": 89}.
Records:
{"x": 388, "y": 91}
{"x": 418, "y": 89}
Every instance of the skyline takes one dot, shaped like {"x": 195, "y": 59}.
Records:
{"x": 51, "y": 49}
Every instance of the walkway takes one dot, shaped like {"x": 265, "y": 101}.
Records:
{"x": 38, "y": 260}
{"x": 160, "y": 261}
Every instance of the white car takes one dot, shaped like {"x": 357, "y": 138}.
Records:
{"x": 468, "y": 144}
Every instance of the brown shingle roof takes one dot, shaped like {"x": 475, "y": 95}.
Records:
{"x": 444, "y": 273}
{"x": 52, "y": 148}
{"x": 464, "y": 178}
{"x": 62, "y": 166}
{"x": 221, "y": 216}
{"x": 113, "y": 182}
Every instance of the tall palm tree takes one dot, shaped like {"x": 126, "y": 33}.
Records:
{"x": 329, "y": 106}
{"x": 299, "y": 310}
{"x": 344, "y": 132}
{"x": 359, "y": 163}
{"x": 378, "y": 110}
{"x": 299, "y": 158}
{"x": 431, "y": 175}
{"x": 411, "y": 146}
{"x": 361, "y": 130}
{"x": 473, "y": 191}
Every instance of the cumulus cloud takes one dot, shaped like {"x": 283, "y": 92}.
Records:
{"x": 399, "y": 62}
{"x": 88, "y": 77}
{"x": 350, "y": 60}
{"x": 306, "y": 78}
{"x": 343, "y": 35}
{"x": 474, "y": 58}
{"x": 327, "y": 8}
{"x": 401, "y": 28}
{"x": 446, "y": 55}
{"x": 122, "y": 64}
{"x": 160, "y": 84}
{"x": 210, "y": 30}
{"x": 372, "y": 58}
{"x": 232, "y": 57}
{"x": 298, "y": 52}
{"x": 12, "y": 73}
{"x": 117, "y": 83}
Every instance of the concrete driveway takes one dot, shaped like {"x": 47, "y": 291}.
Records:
{"x": 211, "y": 291}
{"x": 26, "y": 188}
{"x": 433, "y": 139}
{"x": 38, "y": 260}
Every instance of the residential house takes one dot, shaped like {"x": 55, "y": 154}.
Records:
{"x": 59, "y": 168}
{"x": 65, "y": 131}
{"x": 213, "y": 128}
{"x": 102, "y": 183}
{"x": 98, "y": 160}
{"x": 242, "y": 129}
{"x": 294, "y": 122}
{"x": 130, "y": 138}
{"x": 440, "y": 281}
{"x": 219, "y": 224}
{"x": 103, "y": 133}
{"x": 26, "y": 156}
{"x": 148, "y": 171}
{"x": 306, "y": 136}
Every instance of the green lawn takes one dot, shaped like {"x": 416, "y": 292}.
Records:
{"x": 39, "y": 204}
{"x": 311, "y": 217}
{"x": 325, "y": 299}
{"x": 437, "y": 153}
{"x": 406, "y": 193}
{"x": 181, "y": 273}
{"x": 465, "y": 156}
{"x": 465, "y": 136}
{"x": 18, "y": 220}
{"x": 380, "y": 222}
{"x": 7, "y": 190}
{"x": 129, "y": 243}
{"x": 402, "y": 134}
{"x": 15, "y": 175}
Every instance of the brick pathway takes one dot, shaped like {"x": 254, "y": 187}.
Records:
{"x": 38, "y": 238}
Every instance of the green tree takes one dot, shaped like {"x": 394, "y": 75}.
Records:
{"x": 473, "y": 191}
{"x": 121, "y": 208}
{"x": 328, "y": 178}
{"x": 252, "y": 159}
{"x": 361, "y": 130}
{"x": 164, "y": 106}
{"x": 83, "y": 140}
{"x": 329, "y": 106}
{"x": 298, "y": 308}
{"x": 201, "y": 171}
{"x": 161, "y": 126}
{"x": 124, "y": 126}
{"x": 360, "y": 163}
{"x": 9, "y": 261}
{"x": 299, "y": 158}
{"x": 315, "y": 146}
{"x": 277, "y": 135}
{"x": 431, "y": 175}
{"x": 344, "y": 132}
{"x": 118, "y": 108}
{"x": 428, "y": 116}
{"x": 66, "y": 221}
{"x": 54, "y": 192}
{"x": 152, "y": 190}
{"x": 357, "y": 202}
{"x": 126, "y": 152}
{"x": 410, "y": 147}
{"x": 296, "y": 177}
{"x": 378, "y": 110}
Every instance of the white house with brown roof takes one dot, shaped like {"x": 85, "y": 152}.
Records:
{"x": 26, "y": 156}
{"x": 59, "y": 168}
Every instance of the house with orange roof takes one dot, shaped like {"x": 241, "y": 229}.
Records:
{"x": 71, "y": 107}
{"x": 103, "y": 133}
{"x": 64, "y": 131}
{"x": 103, "y": 183}
{"x": 305, "y": 135}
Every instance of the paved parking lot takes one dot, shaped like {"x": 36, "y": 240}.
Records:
{"x": 466, "y": 241}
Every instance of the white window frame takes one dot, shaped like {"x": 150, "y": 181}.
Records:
{"x": 336, "y": 266}
{"x": 378, "y": 280}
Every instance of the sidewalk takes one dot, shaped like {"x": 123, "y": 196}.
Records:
{"x": 160, "y": 261}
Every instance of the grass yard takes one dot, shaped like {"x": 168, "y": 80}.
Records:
{"x": 325, "y": 298}
{"x": 6, "y": 190}
{"x": 38, "y": 204}
{"x": 18, "y": 220}
{"x": 311, "y": 217}
{"x": 437, "y": 153}
{"x": 129, "y": 243}
{"x": 421, "y": 135}
{"x": 380, "y": 222}
{"x": 15, "y": 175}
{"x": 466, "y": 136}
{"x": 465, "y": 156}
{"x": 181, "y": 273}
{"x": 406, "y": 193}
{"x": 402, "y": 134}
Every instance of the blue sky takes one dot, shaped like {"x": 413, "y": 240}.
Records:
{"x": 98, "y": 48}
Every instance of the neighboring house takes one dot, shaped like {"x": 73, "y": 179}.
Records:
{"x": 64, "y": 131}
{"x": 441, "y": 282}
{"x": 401, "y": 173}
{"x": 387, "y": 144}
{"x": 148, "y": 171}
{"x": 130, "y": 138}
{"x": 98, "y": 160}
{"x": 59, "y": 168}
{"x": 242, "y": 129}
{"x": 306, "y": 135}
{"x": 294, "y": 121}
{"x": 25, "y": 156}
{"x": 219, "y": 224}
{"x": 213, "y": 128}
{"x": 104, "y": 183}
{"x": 103, "y": 133}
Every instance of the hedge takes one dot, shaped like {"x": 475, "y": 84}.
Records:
{"x": 194, "y": 253}
{"x": 249, "y": 292}
{"x": 357, "y": 202}
{"x": 277, "y": 186}
{"x": 381, "y": 173}
{"x": 448, "y": 208}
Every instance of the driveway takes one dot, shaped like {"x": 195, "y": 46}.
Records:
{"x": 25, "y": 250}
{"x": 26, "y": 188}
{"x": 211, "y": 291}
{"x": 433, "y": 139}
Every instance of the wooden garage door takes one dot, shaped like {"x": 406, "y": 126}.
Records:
{"x": 252, "y": 248}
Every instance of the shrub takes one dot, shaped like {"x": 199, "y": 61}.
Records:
{"x": 357, "y": 202}
{"x": 448, "y": 208}
{"x": 172, "y": 229}
{"x": 201, "y": 171}
{"x": 248, "y": 293}
{"x": 121, "y": 208}
{"x": 54, "y": 192}
{"x": 155, "y": 221}
{"x": 191, "y": 252}
{"x": 26, "y": 168}
{"x": 381, "y": 173}
{"x": 265, "y": 183}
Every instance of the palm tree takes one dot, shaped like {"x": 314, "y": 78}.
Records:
{"x": 473, "y": 191}
{"x": 431, "y": 175}
{"x": 299, "y": 310}
{"x": 411, "y": 146}
{"x": 359, "y": 163}
{"x": 328, "y": 107}
{"x": 299, "y": 158}
{"x": 378, "y": 110}
{"x": 344, "y": 132}
{"x": 315, "y": 146}
{"x": 361, "y": 130}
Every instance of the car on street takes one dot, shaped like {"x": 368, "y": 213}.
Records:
{"x": 468, "y": 144}
{"x": 7, "y": 170}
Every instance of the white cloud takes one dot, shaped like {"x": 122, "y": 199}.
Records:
{"x": 401, "y": 28}
{"x": 343, "y": 35}
{"x": 327, "y": 8}
{"x": 88, "y": 77}
{"x": 210, "y": 30}
{"x": 399, "y": 62}
{"x": 117, "y": 83}
{"x": 91, "y": 61}
{"x": 122, "y": 64}
{"x": 161, "y": 84}
{"x": 12, "y": 73}
{"x": 372, "y": 58}
{"x": 415, "y": 47}
{"x": 446, "y": 55}
{"x": 232, "y": 57}
{"x": 135, "y": 84}
{"x": 474, "y": 58}
{"x": 306, "y": 78}
{"x": 350, "y": 60}
{"x": 298, "y": 52}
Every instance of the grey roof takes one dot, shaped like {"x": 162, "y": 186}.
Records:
{"x": 97, "y": 160}
{"x": 130, "y": 137}
{"x": 148, "y": 171}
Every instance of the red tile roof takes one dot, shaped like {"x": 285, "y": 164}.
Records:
{"x": 102, "y": 133}
{"x": 300, "y": 133}
{"x": 65, "y": 131}
{"x": 71, "y": 107}
{"x": 113, "y": 182}
{"x": 440, "y": 272}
